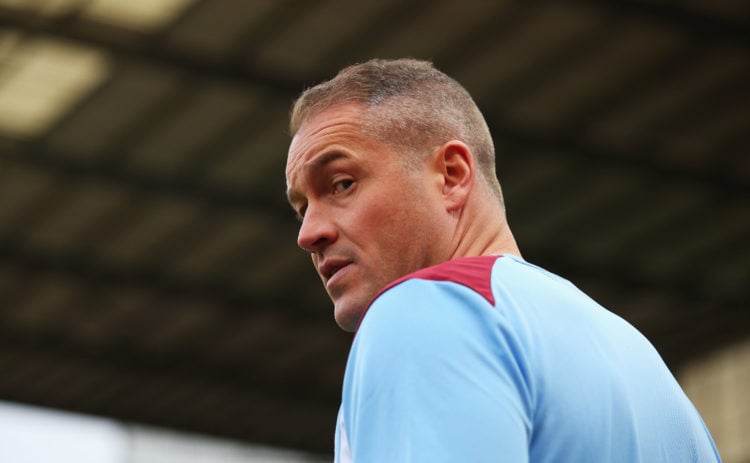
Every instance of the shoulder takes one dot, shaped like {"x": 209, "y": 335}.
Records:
{"x": 487, "y": 277}
{"x": 442, "y": 297}
{"x": 474, "y": 273}
{"x": 439, "y": 326}
{"x": 501, "y": 300}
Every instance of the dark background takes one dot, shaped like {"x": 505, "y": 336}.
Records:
{"x": 148, "y": 266}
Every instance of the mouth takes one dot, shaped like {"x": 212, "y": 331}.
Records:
{"x": 330, "y": 268}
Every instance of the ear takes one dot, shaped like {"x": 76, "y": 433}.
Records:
{"x": 456, "y": 163}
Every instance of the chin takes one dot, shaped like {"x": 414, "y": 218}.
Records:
{"x": 347, "y": 322}
{"x": 347, "y": 315}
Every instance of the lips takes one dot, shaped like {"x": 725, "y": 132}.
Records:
{"x": 330, "y": 267}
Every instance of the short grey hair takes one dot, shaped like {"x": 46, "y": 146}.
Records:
{"x": 407, "y": 103}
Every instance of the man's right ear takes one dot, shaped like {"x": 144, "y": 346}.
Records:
{"x": 456, "y": 163}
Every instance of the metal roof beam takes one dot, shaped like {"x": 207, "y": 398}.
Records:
{"x": 288, "y": 87}
{"x": 142, "y": 49}
{"x": 704, "y": 25}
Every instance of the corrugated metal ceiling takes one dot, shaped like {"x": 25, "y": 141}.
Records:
{"x": 147, "y": 261}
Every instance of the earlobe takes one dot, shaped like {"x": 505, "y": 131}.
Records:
{"x": 457, "y": 168}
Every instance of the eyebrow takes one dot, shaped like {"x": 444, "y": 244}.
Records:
{"x": 316, "y": 165}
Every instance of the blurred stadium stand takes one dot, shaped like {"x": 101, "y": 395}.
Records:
{"x": 148, "y": 267}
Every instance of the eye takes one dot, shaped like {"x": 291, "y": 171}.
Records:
{"x": 342, "y": 185}
{"x": 301, "y": 213}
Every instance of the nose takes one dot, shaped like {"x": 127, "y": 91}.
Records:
{"x": 317, "y": 230}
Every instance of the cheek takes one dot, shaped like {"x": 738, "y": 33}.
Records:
{"x": 394, "y": 233}
{"x": 376, "y": 226}
{"x": 391, "y": 226}
{"x": 390, "y": 215}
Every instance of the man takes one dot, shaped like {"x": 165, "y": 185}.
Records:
{"x": 463, "y": 352}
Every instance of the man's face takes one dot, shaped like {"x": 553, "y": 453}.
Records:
{"x": 366, "y": 219}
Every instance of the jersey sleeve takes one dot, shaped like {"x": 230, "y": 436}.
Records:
{"x": 435, "y": 374}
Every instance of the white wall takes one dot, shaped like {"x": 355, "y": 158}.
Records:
{"x": 37, "y": 435}
{"x": 719, "y": 386}
{"x": 150, "y": 445}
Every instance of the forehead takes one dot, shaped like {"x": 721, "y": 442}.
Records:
{"x": 338, "y": 129}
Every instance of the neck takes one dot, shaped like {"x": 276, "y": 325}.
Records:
{"x": 482, "y": 229}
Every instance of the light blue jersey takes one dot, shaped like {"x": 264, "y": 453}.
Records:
{"x": 492, "y": 359}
